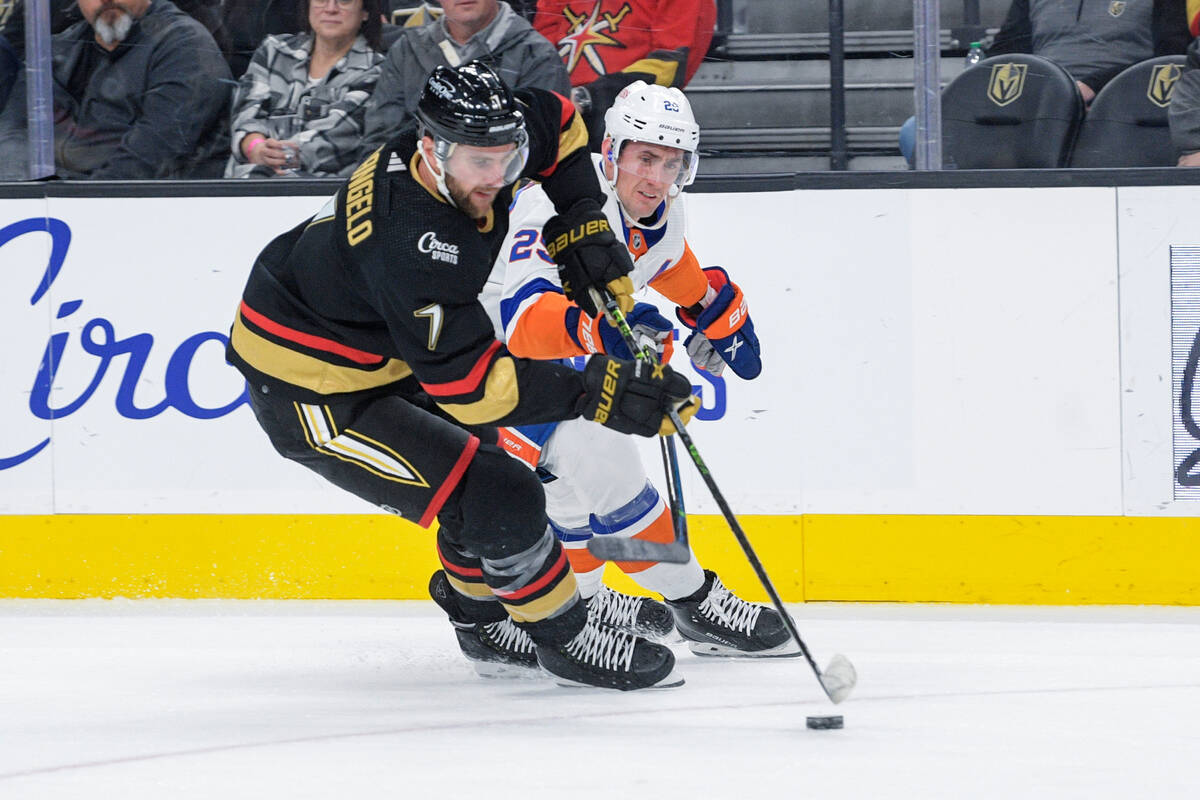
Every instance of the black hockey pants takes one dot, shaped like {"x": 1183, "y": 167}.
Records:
{"x": 493, "y": 539}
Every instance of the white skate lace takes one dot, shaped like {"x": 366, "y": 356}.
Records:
{"x": 614, "y": 608}
{"x": 602, "y": 646}
{"x": 508, "y": 636}
{"x": 725, "y": 608}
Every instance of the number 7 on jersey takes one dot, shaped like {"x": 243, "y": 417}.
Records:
{"x": 436, "y": 317}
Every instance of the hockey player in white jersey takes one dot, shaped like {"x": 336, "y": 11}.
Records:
{"x": 594, "y": 480}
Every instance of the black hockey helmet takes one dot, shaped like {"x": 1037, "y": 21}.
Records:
{"x": 470, "y": 105}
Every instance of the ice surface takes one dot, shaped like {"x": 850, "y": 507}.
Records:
{"x": 175, "y": 700}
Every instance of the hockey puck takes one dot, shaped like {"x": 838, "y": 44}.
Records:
{"x": 824, "y": 723}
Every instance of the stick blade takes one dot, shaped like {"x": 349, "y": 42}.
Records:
{"x": 839, "y": 678}
{"x": 613, "y": 549}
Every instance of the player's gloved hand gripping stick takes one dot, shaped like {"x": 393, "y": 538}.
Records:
{"x": 615, "y": 549}
{"x": 588, "y": 256}
{"x": 838, "y": 679}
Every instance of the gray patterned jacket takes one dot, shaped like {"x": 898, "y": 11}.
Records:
{"x": 275, "y": 98}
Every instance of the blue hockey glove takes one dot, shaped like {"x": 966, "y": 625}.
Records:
{"x": 722, "y": 332}
{"x": 647, "y": 324}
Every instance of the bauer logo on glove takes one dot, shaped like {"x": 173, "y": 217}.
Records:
{"x": 593, "y": 227}
{"x": 722, "y": 332}
{"x": 589, "y": 257}
{"x": 635, "y": 396}
{"x": 608, "y": 389}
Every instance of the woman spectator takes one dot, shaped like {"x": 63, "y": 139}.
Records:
{"x": 299, "y": 108}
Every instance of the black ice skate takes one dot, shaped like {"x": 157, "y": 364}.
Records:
{"x": 495, "y": 649}
{"x": 719, "y": 623}
{"x": 640, "y": 616}
{"x": 610, "y": 659}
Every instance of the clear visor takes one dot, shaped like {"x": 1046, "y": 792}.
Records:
{"x": 663, "y": 165}
{"x": 483, "y": 166}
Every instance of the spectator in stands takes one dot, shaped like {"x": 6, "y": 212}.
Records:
{"x": 1184, "y": 113}
{"x": 299, "y": 108}
{"x": 411, "y": 13}
{"x": 64, "y": 13}
{"x": 487, "y": 30}
{"x": 140, "y": 91}
{"x": 608, "y": 44}
{"x": 249, "y": 22}
{"x": 10, "y": 68}
{"x": 1093, "y": 40}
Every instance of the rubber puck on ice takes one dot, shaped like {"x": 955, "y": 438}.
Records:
{"x": 823, "y": 723}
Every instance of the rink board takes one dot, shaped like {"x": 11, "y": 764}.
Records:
{"x": 968, "y": 395}
{"x": 1030, "y": 560}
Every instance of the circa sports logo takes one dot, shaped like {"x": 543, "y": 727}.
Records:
{"x": 437, "y": 250}
{"x": 98, "y": 340}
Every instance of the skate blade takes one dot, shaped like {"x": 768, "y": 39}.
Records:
{"x": 670, "y": 638}
{"x": 671, "y": 680}
{"x": 508, "y": 672}
{"x": 713, "y": 650}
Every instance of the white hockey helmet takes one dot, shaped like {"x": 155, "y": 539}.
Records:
{"x": 656, "y": 115}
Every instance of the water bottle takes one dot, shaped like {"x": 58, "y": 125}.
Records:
{"x": 974, "y": 54}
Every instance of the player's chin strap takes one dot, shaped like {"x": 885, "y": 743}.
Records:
{"x": 439, "y": 174}
{"x": 839, "y": 677}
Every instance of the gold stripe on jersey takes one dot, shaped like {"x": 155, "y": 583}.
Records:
{"x": 548, "y": 604}
{"x": 308, "y": 372}
{"x": 573, "y": 138}
{"x": 484, "y": 224}
{"x": 470, "y": 589}
{"x": 354, "y": 448}
{"x": 500, "y": 396}
{"x": 665, "y": 71}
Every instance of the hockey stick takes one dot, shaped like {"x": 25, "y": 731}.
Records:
{"x": 839, "y": 677}
{"x": 675, "y": 487}
{"x": 678, "y": 551}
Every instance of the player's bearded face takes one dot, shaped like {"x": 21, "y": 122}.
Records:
{"x": 475, "y": 175}
{"x": 646, "y": 174}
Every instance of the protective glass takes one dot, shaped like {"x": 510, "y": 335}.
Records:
{"x": 666, "y": 165}
{"x": 483, "y": 166}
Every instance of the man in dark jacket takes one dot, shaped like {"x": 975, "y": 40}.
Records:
{"x": 1184, "y": 112}
{"x": 140, "y": 91}
{"x": 1094, "y": 39}
{"x": 487, "y": 30}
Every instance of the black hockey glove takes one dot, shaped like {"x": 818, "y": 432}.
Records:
{"x": 633, "y": 396}
{"x": 589, "y": 256}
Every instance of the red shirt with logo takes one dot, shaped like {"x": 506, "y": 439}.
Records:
{"x": 665, "y": 38}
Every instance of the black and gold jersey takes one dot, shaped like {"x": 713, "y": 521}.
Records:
{"x": 379, "y": 291}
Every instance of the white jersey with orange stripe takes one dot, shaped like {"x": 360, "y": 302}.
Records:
{"x": 598, "y": 478}
{"x": 523, "y": 270}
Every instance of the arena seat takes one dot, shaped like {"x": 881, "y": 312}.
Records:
{"x": 1127, "y": 123}
{"x": 1010, "y": 111}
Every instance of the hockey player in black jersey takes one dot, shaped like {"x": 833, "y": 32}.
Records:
{"x": 371, "y": 362}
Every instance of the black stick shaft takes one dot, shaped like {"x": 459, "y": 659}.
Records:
{"x": 616, "y": 316}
